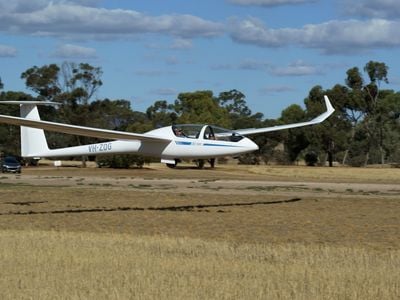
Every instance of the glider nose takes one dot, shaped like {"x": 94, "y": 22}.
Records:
{"x": 254, "y": 146}
{"x": 250, "y": 145}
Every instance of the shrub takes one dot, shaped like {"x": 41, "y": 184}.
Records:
{"x": 311, "y": 158}
{"x": 120, "y": 161}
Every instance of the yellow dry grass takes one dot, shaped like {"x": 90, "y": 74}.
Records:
{"x": 61, "y": 265}
{"x": 226, "y": 233}
{"x": 336, "y": 174}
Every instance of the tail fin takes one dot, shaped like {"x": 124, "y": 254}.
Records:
{"x": 33, "y": 141}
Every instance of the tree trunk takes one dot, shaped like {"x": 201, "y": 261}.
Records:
{"x": 366, "y": 158}
{"x": 83, "y": 158}
{"x": 346, "y": 153}
{"x": 382, "y": 151}
{"x": 330, "y": 158}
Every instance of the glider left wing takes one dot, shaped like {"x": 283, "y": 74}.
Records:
{"x": 81, "y": 130}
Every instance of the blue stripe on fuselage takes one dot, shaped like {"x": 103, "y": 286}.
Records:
{"x": 183, "y": 143}
{"x": 219, "y": 145}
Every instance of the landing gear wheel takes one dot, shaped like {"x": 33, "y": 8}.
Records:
{"x": 212, "y": 162}
{"x": 173, "y": 166}
{"x": 200, "y": 163}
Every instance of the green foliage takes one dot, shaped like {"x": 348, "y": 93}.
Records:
{"x": 120, "y": 161}
{"x": 311, "y": 158}
{"x": 364, "y": 128}
{"x": 354, "y": 79}
{"x": 294, "y": 140}
{"x": 200, "y": 107}
{"x": 9, "y": 135}
{"x": 43, "y": 80}
{"x": 161, "y": 114}
{"x": 377, "y": 71}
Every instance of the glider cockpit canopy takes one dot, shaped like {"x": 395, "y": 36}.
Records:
{"x": 206, "y": 132}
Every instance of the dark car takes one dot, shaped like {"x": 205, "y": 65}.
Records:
{"x": 10, "y": 164}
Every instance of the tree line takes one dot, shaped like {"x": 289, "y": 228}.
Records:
{"x": 363, "y": 130}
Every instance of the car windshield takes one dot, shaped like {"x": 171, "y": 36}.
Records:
{"x": 10, "y": 160}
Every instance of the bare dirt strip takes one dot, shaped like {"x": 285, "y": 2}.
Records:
{"x": 241, "y": 204}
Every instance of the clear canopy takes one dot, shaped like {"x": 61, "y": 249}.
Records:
{"x": 210, "y": 132}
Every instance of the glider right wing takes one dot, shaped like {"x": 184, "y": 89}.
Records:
{"x": 317, "y": 120}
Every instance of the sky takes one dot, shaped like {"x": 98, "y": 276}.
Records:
{"x": 273, "y": 51}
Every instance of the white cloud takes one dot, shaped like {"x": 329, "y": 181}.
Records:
{"x": 222, "y": 67}
{"x": 298, "y": 68}
{"x": 182, "y": 44}
{"x": 7, "y": 51}
{"x": 373, "y": 8}
{"x": 21, "y": 6}
{"x": 276, "y": 89}
{"x": 69, "y": 20}
{"x": 27, "y": 6}
{"x": 246, "y": 64}
{"x": 268, "y": 2}
{"x": 350, "y": 36}
{"x": 69, "y": 51}
{"x": 164, "y": 92}
{"x": 255, "y": 65}
{"x": 154, "y": 73}
{"x": 172, "y": 60}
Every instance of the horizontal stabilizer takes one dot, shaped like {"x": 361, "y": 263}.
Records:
{"x": 31, "y": 102}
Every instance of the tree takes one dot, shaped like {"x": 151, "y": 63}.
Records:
{"x": 44, "y": 81}
{"x": 377, "y": 73}
{"x": 82, "y": 80}
{"x": 360, "y": 106}
{"x": 234, "y": 102}
{"x": 9, "y": 134}
{"x": 329, "y": 137}
{"x": 71, "y": 84}
{"x": 295, "y": 140}
{"x": 161, "y": 114}
{"x": 111, "y": 114}
{"x": 388, "y": 111}
{"x": 200, "y": 107}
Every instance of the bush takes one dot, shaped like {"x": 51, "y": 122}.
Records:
{"x": 249, "y": 159}
{"x": 311, "y": 158}
{"x": 120, "y": 161}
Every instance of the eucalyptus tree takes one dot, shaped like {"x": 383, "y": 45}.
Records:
{"x": 71, "y": 84}
{"x": 201, "y": 107}
{"x": 330, "y": 137}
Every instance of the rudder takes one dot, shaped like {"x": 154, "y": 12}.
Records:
{"x": 33, "y": 141}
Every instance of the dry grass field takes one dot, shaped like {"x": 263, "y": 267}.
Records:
{"x": 234, "y": 232}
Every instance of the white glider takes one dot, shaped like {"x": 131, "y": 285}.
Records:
{"x": 171, "y": 143}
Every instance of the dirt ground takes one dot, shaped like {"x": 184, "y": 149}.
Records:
{"x": 339, "y": 206}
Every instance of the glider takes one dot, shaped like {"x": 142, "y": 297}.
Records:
{"x": 171, "y": 143}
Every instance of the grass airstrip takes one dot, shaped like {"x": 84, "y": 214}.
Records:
{"x": 233, "y": 232}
